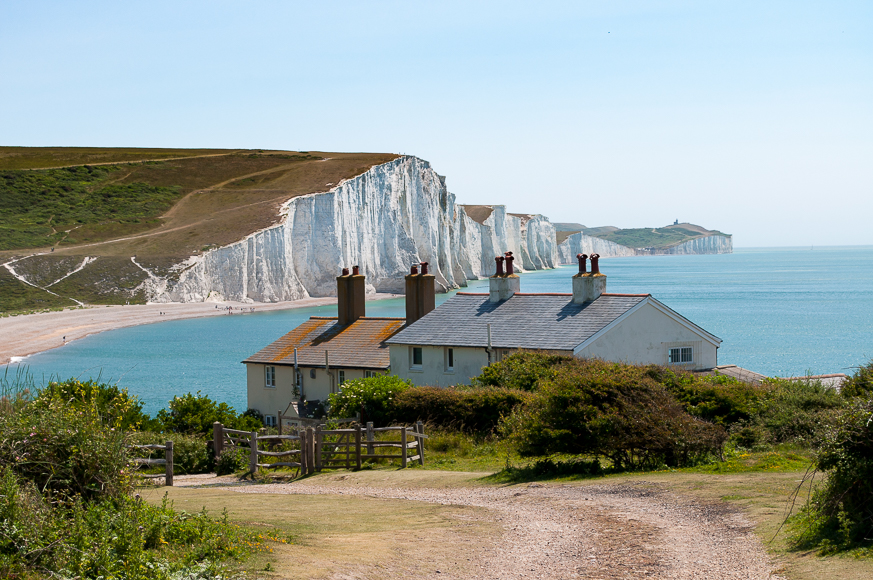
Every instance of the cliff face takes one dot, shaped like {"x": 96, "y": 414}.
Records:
{"x": 704, "y": 245}
{"x": 581, "y": 244}
{"x": 384, "y": 220}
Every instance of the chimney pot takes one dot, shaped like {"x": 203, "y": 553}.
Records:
{"x": 583, "y": 266}
{"x": 595, "y": 266}
{"x": 499, "y": 260}
{"x": 345, "y": 272}
{"x": 413, "y": 270}
{"x": 356, "y": 271}
{"x": 423, "y": 268}
{"x": 509, "y": 259}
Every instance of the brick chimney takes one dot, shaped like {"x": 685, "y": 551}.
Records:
{"x": 420, "y": 293}
{"x": 350, "y": 294}
{"x": 505, "y": 282}
{"x": 588, "y": 286}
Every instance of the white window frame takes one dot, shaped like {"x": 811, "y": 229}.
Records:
{"x": 450, "y": 359}
{"x": 270, "y": 420}
{"x": 412, "y": 364}
{"x": 342, "y": 377}
{"x": 370, "y": 374}
{"x": 269, "y": 377}
{"x": 685, "y": 355}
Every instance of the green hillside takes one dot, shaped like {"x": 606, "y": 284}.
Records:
{"x": 61, "y": 205}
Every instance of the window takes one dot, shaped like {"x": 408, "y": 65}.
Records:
{"x": 342, "y": 377}
{"x": 270, "y": 377}
{"x": 269, "y": 420}
{"x": 682, "y": 354}
{"x": 416, "y": 357}
{"x": 450, "y": 360}
{"x": 370, "y": 374}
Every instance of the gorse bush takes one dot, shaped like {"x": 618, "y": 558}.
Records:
{"x": 472, "y": 410}
{"x": 117, "y": 407}
{"x": 522, "y": 370}
{"x": 839, "y": 515}
{"x": 860, "y": 384}
{"x": 373, "y": 397}
{"x": 610, "y": 410}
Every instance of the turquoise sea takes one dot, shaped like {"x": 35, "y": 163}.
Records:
{"x": 779, "y": 311}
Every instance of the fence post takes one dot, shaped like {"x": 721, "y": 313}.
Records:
{"x": 310, "y": 450}
{"x": 217, "y": 439}
{"x": 279, "y": 421}
{"x": 420, "y": 428}
{"x": 253, "y": 452}
{"x": 403, "y": 446}
{"x": 370, "y": 438}
{"x": 168, "y": 455}
{"x": 358, "y": 446}
{"x": 318, "y": 444}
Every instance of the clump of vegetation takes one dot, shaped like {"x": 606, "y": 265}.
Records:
{"x": 195, "y": 414}
{"x": 472, "y": 410}
{"x": 860, "y": 383}
{"x": 371, "y": 398}
{"x": 522, "y": 370}
{"x": 839, "y": 516}
{"x": 611, "y": 410}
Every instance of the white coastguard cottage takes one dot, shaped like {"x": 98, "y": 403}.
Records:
{"x": 451, "y": 344}
{"x": 317, "y": 357}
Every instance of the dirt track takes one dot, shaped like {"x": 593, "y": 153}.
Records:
{"x": 637, "y": 530}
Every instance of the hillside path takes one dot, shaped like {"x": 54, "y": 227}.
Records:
{"x": 637, "y": 530}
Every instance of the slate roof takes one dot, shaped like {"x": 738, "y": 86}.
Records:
{"x": 529, "y": 321}
{"x": 360, "y": 345}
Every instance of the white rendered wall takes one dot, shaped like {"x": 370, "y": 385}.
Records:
{"x": 269, "y": 400}
{"x": 645, "y": 336}
{"x": 433, "y": 372}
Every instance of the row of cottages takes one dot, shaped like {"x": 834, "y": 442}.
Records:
{"x": 451, "y": 344}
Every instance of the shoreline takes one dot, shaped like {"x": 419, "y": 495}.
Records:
{"x": 29, "y": 334}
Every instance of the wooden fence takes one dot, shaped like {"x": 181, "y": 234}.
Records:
{"x": 167, "y": 461}
{"x": 320, "y": 448}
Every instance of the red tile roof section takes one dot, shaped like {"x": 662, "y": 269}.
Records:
{"x": 359, "y": 345}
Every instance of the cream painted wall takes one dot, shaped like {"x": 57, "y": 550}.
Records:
{"x": 468, "y": 364}
{"x": 270, "y": 400}
{"x": 645, "y": 336}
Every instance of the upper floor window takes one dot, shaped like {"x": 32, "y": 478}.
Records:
{"x": 679, "y": 355}
{"x": 270, "y": 377}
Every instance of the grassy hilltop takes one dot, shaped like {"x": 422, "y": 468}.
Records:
{"x": 160, "y": 205}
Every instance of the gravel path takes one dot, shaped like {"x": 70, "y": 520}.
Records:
{"x": 634, "y": 530}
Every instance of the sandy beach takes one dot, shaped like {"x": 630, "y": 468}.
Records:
{"x": 24, "y": 335}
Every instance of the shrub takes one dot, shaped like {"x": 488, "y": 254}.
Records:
{"x": 719, "y": 399}
{"x": 191, "y": 453}
{"x": 372, "y": 397}
{"x": 859, "y": 384}
{"x": 840, "y": 514}
{"x": 231, "y": 461}
{"x": 65, "y": 450}
{"x": 521, "y": 370}
{"x": 195, "y": 414}
{"x": 476, "y": 410}
{"x": 117, "y": 407}
{"x": 611, "y": 410}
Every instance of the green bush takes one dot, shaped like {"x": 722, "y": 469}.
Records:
{"x": 521, "y": 370}
{"x": 112, "y": 537}
{"x": 718, "y": 399}
{"x": 373, "y": 397}
{"x": 466, "y": 409}
{"x": 65, "y": 450}
{"x": 613, "y": 410}
{"x": 195, "y": 414}
{"x": 860, "y": 383}
{"x": 839, "y": 515}
{"x": 231, "y": 461}
{"x": 191, "y": 453}
{"x": 117, "y": 407}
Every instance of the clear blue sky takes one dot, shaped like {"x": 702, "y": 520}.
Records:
{"x": 755, "y": 118}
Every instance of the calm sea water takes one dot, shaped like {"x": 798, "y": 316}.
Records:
{"x": 779, "y": 311}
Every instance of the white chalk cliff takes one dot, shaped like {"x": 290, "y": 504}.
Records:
{"x": 384, "y": 220}
{"x": 579, "y": 243}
